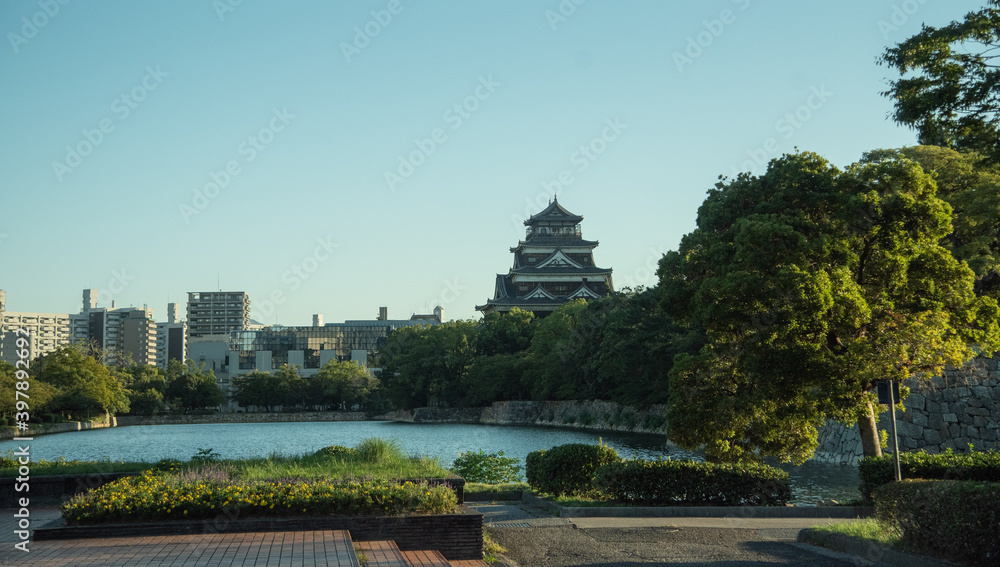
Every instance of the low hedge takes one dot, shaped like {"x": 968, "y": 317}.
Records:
{"x": 154, "y": 495}
{"x": 977, "y": 465}
{"x": 956, "y": 520}
{"x": 665, "y": 483}
{"x": 567, "y": 469}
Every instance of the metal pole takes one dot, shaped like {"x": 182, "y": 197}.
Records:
{"x": 895, "y": 439}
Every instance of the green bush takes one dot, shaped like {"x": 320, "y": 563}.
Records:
{"x": 567, "y": 469}
{"x": 335, "y": 451}
{"x": 160, "y": 496}
{"x": 488, "y": 468}
{"x": 976, "y": 465}
{"x": 379, "y": 450}
{"x": 956, "y": 520}
{"x": 658, "y": 483}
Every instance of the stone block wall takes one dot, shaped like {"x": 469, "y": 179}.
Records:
{"x": 946, "y": 412}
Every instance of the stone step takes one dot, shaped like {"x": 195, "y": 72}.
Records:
{"x": 382, "y": 553}
{"x": 426, "y": 558}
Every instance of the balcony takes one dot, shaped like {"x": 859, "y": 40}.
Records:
{"x": 555, "y": 232}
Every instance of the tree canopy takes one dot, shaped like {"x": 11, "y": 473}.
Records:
{"x": 950, "y": 85}
{"x": 811, "y": 284}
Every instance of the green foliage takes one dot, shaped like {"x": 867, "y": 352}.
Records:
{"x": 871, "y": 529}
{"x": 956, "y": 520}
{"x": 260, "y": 389}
{"x": 665, "y": 483}
{"x": 949, "y": 89}
{"x": 336, "y": 451}
{"x": 342, "y": 384}
{"x": 812, "y": 283}
{"x": 158, "y": 496}
{"x": 82, "y": 386}
{"x": 379, "y": 450}
{"x": 189, "y": 386}
{"x": 974, "y": 465}
{"x": 973, "y": 191}
{"x": 488, "y": 468}
{"x": 423, "y": 365}
{"x": 567, "y": 469}
{"x": 205, "y": 456}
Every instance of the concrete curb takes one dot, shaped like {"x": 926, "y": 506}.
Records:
{"x": 867, "y": 552}
{"x": 846, "y": 512}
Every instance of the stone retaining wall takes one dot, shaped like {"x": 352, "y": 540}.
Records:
{"x": 7, "y": 433}
{"x": 258, "y": 417}
{"x": 949, "y": 412}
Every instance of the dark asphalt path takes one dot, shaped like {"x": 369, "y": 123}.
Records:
{"x": 569, "y": 546}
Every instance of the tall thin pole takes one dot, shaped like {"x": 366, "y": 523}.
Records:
{"x": 895, "y": 439}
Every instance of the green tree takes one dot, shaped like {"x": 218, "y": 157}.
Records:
{"x": 973, "y": 191}
{"x": 562, "y": 349}
{"x": 637, "y": 351}
{"x": 146, "y": 386}
{"x": 85, "y": 387}
{"x": 505, "y": 333}
{"x": 950, "y": 85}
{"x": 260, "y": 389}
{"x": 40, "y": 394}
{"x": 811, "y": 284}
{"x": 341, "y": 385}
{"x": 191, "y": 387}
{"x": 424, "y": 365}
{"x": 294, "y": 386}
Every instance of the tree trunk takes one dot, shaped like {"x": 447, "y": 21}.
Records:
{"x": 868, "y": 429}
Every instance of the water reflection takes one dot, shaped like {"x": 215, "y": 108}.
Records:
{"x": 810, "y": 482}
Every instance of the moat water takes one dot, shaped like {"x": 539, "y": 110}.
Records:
{"x": 810, "y": 482}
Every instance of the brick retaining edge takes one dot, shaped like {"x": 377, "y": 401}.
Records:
{"x": 456, "y": 536}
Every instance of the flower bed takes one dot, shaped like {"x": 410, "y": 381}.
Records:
{"x": 157, "y": 495}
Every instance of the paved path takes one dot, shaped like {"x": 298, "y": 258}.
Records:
{"x": 535, "y": 539}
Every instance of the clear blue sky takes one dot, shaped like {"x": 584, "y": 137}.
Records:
{"x": 310, "y": 105}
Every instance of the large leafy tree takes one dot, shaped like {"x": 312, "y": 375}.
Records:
{"x": 811, "y": 284}
{"x": 973, "y": 191}
{"x": 950, "y": 85}
{"x": 341, "y": 385}
{"x": 423, "y": 365}
{"x": 260, "y": 389}
{"x": 190, "y": 386}
{"x": 40, "y": 394}
{"x": 86, "y": 388}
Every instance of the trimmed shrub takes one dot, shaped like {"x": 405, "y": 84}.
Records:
{"x": 567, "y": 469}
{"x": 956, "y": 520}
{"x": 488, "y": 468}
{"x": 665, "y": 483}
{"x": 335, "y": 451}
{"x": 158, "y": 496}
{"x": 978, "y": 465}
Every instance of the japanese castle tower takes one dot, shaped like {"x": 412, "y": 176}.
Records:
{"x": 552, "y": 265}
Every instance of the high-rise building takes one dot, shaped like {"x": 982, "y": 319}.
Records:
{"x": 217, "y": 312}
{"x": 123, "y": 334}
{"x": 46, "y": 331}
{"x": 171, "y": 338}
{"x": 552, "y": 265}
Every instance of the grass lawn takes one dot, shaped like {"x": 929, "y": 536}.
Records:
{"x": 868, "y": 529}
